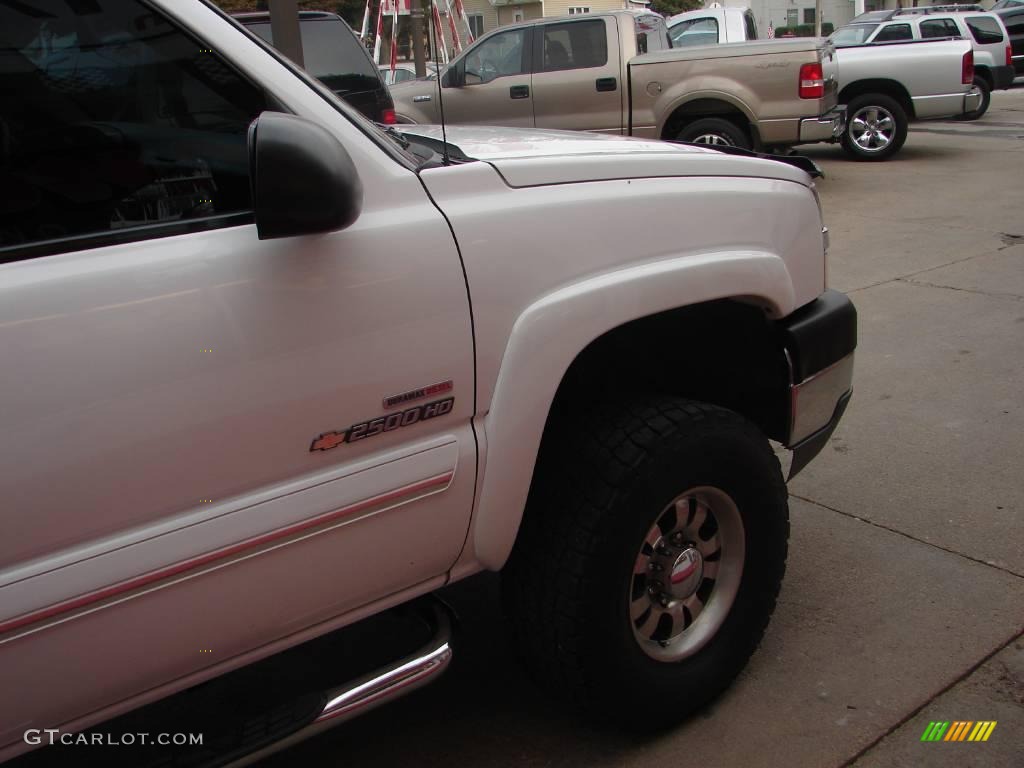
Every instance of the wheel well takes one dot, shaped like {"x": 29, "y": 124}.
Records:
{"x": 725, "y": 353}
{"x": 985, "y": 74}
{"x": 694, "y": 110}
{"x": 888, "y": 87}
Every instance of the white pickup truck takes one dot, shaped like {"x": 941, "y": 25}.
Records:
{"x": 887, "y": 85}
{"x": 270, "y": 371}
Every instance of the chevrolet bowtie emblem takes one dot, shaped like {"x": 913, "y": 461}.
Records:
{"x": 328, "y": 440}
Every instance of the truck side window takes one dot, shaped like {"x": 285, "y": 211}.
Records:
{"x": 575, "y": 45}
{"x": 497, "y": 56}
{"x": 750, "y": 25}
{"x": 894, "y": 32}
{"x": 695, "y": 32}
{"x": 939, "y": 28}
{"x": 114, "y": 119}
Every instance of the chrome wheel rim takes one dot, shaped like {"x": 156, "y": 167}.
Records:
{"x": 716, "y": 139}
{"x": 687, "y": 574}
{"x": 872, "y": 128}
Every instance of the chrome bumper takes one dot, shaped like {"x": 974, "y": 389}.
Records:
{"x": 972, "y": 100}
{"x": 813, "y": 401}
{"x": 828, "y": 127}
{"x": 816, "y": 406}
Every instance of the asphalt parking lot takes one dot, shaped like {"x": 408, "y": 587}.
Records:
{"x": 904, "y": 599}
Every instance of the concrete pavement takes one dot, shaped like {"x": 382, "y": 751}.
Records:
{"x": 904, "y": 599}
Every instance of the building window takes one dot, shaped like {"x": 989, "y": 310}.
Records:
{"x": 576, "y": 10}
{"x": 476, "y": 24}
{"x": 809, "y": 15}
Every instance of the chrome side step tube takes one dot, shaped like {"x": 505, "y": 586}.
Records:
{"x": 381, "y": 686}
{"x": 390, "y": 682}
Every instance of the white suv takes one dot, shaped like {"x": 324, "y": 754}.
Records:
{"x": 993, "y": 66}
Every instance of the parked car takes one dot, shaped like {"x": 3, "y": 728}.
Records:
{"x": 406, "y": 71}
{"x": 710, "y": 26}
{"x": 1012, "y": 17}
{"x": 993, "y": 68}
{"x": 305, "y": 369}
{"x": 617, "y": 73}
{"x": 333, "y": 54}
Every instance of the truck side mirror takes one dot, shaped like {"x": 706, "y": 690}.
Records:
{"x": 303, "y": 181}
{"x": 453, "y": 76}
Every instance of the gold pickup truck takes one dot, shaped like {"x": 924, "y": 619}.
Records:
{"x": 618, "y": 73}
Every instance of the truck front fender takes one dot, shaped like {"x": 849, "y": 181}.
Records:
{"x": 551, "y": 332}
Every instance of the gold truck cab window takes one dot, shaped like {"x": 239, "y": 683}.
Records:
{"x": 574, "y": 45}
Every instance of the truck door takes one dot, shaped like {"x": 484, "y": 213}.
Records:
{"x": 209, "y": 441}
{"x": 495, "y": 82}
{"x": 576, "y": 80}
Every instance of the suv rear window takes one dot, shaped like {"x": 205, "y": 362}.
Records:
{"x": 985, "y": 29}
{"x": 331, "y": 54}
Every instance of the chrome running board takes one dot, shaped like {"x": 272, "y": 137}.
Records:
{"x": 379, "y": 687}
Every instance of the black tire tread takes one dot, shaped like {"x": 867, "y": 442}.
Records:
{"x": 581, "y": 477}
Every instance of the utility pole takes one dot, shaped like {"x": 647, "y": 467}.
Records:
{"x": 817, "y": 18}
{"x": 284, "y": 26}
{"x": 419, "y": 59}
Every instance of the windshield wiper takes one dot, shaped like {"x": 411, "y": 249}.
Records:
{"x": 399, "y": 138}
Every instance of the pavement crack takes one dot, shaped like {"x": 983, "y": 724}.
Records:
{"x": 918, "y": 272}
{"x": 990, "y": 294}
{"x": 905, "y": 535}
{"x": 1018, "y": 633}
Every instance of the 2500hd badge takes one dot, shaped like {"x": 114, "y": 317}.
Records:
{"x": 391, "y": 421}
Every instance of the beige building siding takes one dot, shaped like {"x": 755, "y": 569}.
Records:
{"x": 529, "y": 11}
{"x": 561, "y": 7}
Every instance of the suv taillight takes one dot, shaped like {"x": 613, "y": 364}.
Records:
{"x": 387, "y": 116}
{"x": 967, "y": 73}
{"x": 812, "y": 81}
{"x": 1009, "y": 56}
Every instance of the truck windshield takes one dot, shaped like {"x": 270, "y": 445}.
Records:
{"x": 332, "y": 54}
{"x": 854, "y": 34}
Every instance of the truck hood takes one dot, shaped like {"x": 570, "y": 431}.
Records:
{"x": 531, "y": 156}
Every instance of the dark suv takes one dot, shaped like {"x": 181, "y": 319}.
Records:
{"x": 334, "y": 55}
{"x": 1012, "y": 15}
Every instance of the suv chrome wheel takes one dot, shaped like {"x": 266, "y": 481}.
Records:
{"x": 687, "y": 574}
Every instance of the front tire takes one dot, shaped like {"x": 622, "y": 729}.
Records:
{"x": 714, "y": 131}
{"x": 876, "y": 127}
{"x": 649, "y": 560}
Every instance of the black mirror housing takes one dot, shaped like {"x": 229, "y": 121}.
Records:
{"x": 303, "y": 181}
{"x": 452, "y": 77}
